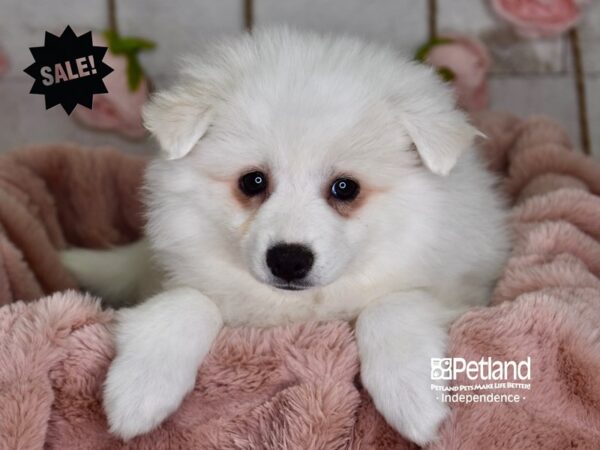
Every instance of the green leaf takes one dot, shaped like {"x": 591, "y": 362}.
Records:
{"x": 135, "y": 73}
{"x": 423, "y": 50}
{"x": 130, "y": 47}
{"x": 113, "y": 40}
{"x": 446, "y": 74}
{"x": 127, "y": 45}
{"x": 135, "y": 44}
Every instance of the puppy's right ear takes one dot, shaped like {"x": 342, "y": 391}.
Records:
{"x": 441, "y": 137}
{"x": 177, "y": 120}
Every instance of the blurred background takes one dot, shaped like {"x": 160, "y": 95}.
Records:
{"x": 522, "y": 56}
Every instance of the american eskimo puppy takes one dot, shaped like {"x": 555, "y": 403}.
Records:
{"x": 302, "y": 178}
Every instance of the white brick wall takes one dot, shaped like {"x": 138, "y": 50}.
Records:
{"x": 402, "y": 23}
{"x": 528, "y": 77}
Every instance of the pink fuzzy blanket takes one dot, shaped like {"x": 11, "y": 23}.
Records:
{"x": 297, "y": 387}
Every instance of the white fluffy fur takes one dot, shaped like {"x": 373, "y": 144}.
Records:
{"x": 427, "y": 243}
{"x": 160, "y": 345}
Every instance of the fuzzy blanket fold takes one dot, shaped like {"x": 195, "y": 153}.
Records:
{"x": 56, "y": 194}
{"x": 297, "y": 387}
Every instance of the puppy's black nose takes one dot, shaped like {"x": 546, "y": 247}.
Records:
{"x": 290, "y": 261}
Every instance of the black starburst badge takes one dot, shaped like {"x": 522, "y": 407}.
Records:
{"x": 68, "y": 70}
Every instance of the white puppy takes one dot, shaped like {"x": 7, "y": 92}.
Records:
{"x": 303, "y": 177}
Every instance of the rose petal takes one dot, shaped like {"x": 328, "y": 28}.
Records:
{"x": 120, "y": 109}
{"x": 469, "y": 61}
{"x": 3, "y": 62}
{"x": 539, "y": 18}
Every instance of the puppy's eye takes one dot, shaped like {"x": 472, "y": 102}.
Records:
{"x": 345, "y": 189}
{"x": 253, "y": 183}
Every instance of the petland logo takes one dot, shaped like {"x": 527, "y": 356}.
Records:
{"x": 485, "y": 369}
{"x": 490, "y": 378}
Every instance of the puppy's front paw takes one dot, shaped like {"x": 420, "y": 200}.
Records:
{"x": 407, "y": 403}
{"x": 420, "y": 416}
{"x": 160, "y": 345}
{"x": 137, "y": 398}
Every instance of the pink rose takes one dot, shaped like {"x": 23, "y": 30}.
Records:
{"x": 539, "y": 18}
{"x": 3, "y": 62}
{"x": 120, "y": 109}
{"x": 469, "y": 62}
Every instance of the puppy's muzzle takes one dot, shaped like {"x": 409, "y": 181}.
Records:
{"x": 290, "y": 262}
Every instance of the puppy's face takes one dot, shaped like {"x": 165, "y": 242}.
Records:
{"x": 292, "y": 179}
{"x": 302, "y": 183}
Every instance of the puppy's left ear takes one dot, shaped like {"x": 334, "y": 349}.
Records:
{"x": 440, "y": 138}
{"x": 178, "y": 120}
